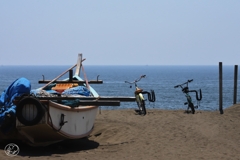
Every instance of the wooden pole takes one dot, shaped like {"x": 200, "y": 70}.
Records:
{"x": 59, "y": 76}
{"x": 79, "y": 64}
{"x": 235, "y": 84}
{"x": 220, "y": 89}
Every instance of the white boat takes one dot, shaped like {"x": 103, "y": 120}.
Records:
{"x": 56, "y": 111}
{"x": 44, "y": 118}
{"x": 60, "y": 110}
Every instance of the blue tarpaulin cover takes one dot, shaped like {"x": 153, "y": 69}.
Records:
{"x": 17, "y": 88}
{"x": 81, "y": 90}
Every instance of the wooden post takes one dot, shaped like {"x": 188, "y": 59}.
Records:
{"x": 79, "y": 64}
{"x": 235, "y": 84}
{"x": 70, "y": 75}
{"x": 220, "y": 89}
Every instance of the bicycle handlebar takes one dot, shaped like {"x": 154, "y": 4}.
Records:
{"x": 137, "y": 80}
{"x": 180, "y": 85}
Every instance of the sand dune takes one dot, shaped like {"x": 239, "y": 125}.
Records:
{"x": 161, "y": 134}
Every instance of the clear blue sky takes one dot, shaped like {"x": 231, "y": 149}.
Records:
{"x": 120, "y": 32}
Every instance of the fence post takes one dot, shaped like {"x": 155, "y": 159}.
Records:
{"x": 235, "y": 84}
{"x": 220, "y": 88}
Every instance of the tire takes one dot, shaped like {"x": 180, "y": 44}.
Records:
{"x": 34, "y": 114}
{"x": 141, "y": 106}
{"x": 192, "y": 108}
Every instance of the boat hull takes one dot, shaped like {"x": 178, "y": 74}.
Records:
{"x": 59, "y": 122}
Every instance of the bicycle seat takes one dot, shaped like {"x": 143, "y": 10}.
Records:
{"x": 138, "y": 91}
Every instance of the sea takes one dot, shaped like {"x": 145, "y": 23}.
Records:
{"x": 159, "y": 78}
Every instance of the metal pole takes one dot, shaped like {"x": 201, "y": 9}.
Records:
{"x": 220, "y": 88}
{"x": 70, "y": 75}
{"x": 235, "y": 84}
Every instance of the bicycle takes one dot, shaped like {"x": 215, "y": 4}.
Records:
{"x": 139, "y": 96}
{"x": 189, "y": 102}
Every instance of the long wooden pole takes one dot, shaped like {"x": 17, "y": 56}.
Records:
{"x": 220, "y": 89}
{"x": 235, "y": 84}
{"x": 60, "y": 76}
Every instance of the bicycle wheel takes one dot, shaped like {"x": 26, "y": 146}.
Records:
{"x": 190, "y": 104}
{"x": 192, "y": 108}
{"x": 141, "y": 105}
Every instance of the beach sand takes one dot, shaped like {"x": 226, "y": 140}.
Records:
{"x": 161, "y": 134}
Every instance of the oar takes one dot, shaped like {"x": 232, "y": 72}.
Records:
{"x": 59, "y": 76}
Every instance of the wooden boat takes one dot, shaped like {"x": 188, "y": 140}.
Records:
{"x": 61, "y": 109}
{"x": 43, "y": 119}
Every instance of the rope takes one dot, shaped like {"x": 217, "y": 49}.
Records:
{"x": 85, "y": 77}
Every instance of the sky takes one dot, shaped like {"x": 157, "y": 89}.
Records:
{"x": 120, "y": 32}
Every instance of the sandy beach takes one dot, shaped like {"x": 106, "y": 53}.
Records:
{"x": 161, "y": 134}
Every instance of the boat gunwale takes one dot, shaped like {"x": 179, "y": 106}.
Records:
{"x": 68, "y": 108}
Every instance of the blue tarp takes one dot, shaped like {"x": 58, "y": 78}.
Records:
{"x": 80, "y": 90}
{"x": 17, "y": 88}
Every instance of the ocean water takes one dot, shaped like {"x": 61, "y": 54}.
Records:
{"x": 161, "y": 79}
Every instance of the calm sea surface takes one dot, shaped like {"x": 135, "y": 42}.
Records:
{"x": 161, "y": 79}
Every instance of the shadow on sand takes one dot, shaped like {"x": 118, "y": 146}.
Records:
{"x": 63, "y": 147}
